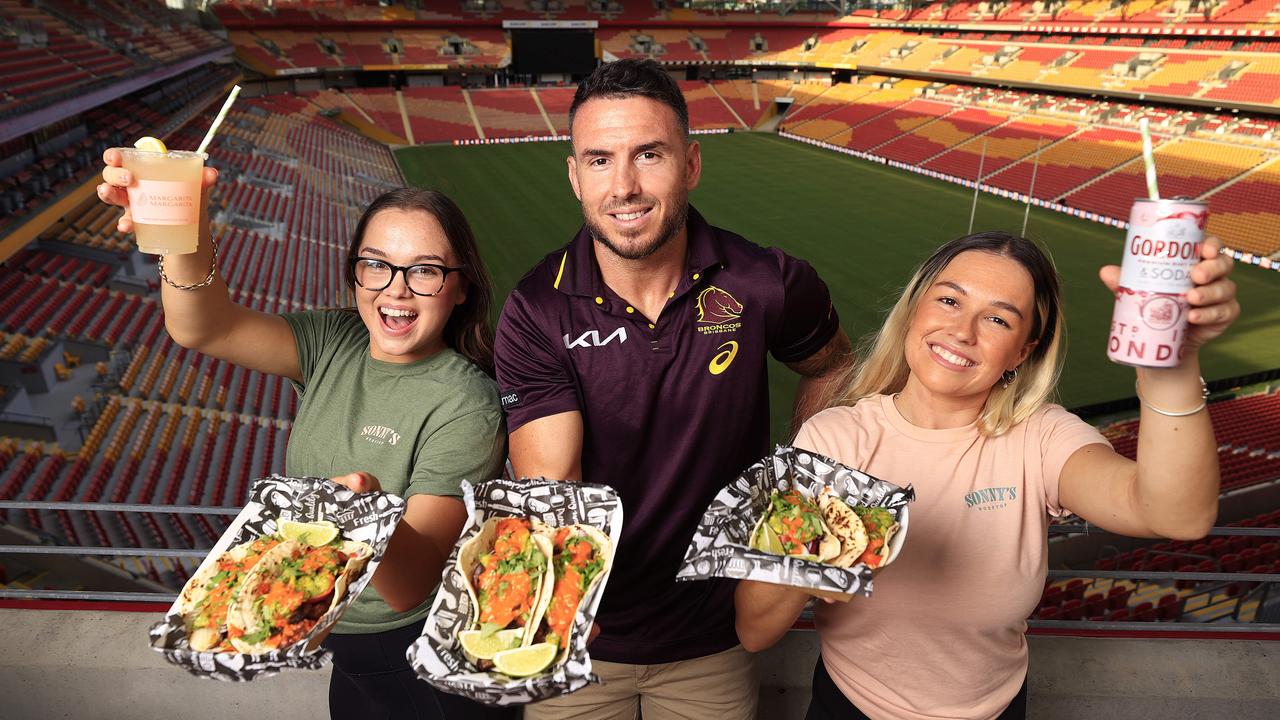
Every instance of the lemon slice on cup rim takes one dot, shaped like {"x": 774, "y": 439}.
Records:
{"x": 525, "y": 661}
{"x": 315, "y": 534}
{"x": 151, "y": 144}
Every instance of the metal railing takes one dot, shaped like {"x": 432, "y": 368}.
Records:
{"x": 1220, "y": 580}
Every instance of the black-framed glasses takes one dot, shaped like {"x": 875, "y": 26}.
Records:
{"x": 424, "y": 279}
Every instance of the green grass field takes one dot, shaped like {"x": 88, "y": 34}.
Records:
{"x": 863, "y": 226}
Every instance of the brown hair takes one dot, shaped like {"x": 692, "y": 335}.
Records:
{"x": 881, "y": 366}
{"x": 468, "y": 330}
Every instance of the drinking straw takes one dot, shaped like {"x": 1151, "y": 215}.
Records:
{"x": 222, "y": 114}
{"x": 1148, "y": 159}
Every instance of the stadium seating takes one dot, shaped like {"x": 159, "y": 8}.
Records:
{"x": 933, "y": 139}
{"x": 556, "y": 103}
{"x": 176, "y": 426}
{"x": 810, "y": 118}
{"x": 1089, "y": 151}
{"x": 1070, "y": 162}
{"x": 752, "y": 101}
{"x": 55, "y": 49}
{"x": 1187, "y": 168}
{"x": 1246, "y": 212}
{"x": 382, "y": 106}
{"x": 40, "y": 166}
{"x": 167, "y": 425}
{"x": 1248, "y": 431}
{"x": 1161, "y": 601}
{"x": 1152, "y": 65}
{"x": 887, "y": 127}
{"x": 509, "y": 113}
{"x": 707, "y": 110}
{"x": 439, "y": 114}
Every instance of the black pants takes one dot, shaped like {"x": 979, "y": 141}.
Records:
{"x": 828, "y": 703}
{"x": 372, "y": 680}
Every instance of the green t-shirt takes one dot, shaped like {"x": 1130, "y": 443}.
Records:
{"x": 419, "y": 427}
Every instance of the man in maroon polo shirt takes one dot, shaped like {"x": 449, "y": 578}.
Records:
{"x": 636, "y": 357}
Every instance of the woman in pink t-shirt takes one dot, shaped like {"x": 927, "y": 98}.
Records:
{"x": 952, "y": 397}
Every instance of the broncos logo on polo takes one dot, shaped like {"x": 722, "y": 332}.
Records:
{"x": 717, "y": 306}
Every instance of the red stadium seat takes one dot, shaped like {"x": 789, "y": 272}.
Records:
{"x": 1144, "y": 612}
{"x": 1095, "y": 604}
{"x": 1118, "y": 596}
{"x": 1269, "y": 552}
{"x": 1075, "y": 589}
{"x": 1073, "y": 609}
{"x": 1231, "y": 562}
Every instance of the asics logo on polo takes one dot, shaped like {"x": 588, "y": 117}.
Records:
{"x": 724, "y": 358}
{"x": 591, "y": 338}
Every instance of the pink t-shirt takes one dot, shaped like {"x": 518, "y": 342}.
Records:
{"x": 942, "y": 635}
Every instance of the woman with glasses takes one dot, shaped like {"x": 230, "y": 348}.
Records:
{"x": 953, "y": 396}
{"x": 396, "y": 395}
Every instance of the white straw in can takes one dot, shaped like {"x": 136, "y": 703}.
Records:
{"x": 222, "y": 114}
{"x": 1148, "y": 159}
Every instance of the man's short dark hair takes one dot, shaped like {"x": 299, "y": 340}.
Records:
{"x": 632, "y": 78}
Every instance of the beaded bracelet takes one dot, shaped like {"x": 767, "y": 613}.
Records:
{"x": 213, "y": 270}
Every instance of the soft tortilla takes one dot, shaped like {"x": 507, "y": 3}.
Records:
{"x": 469, "y": 557}
{"x": 847, "y": 526}
{"x": 197, "y": 588}
{"x": 606, "y": 552}
{"x": 240, "y": 614}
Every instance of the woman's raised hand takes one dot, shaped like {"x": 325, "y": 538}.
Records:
{"x": 1213, "y": 299}
{"x": 115, "y": 178}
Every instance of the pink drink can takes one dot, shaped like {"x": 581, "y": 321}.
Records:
{"x": 1149, "y": 322}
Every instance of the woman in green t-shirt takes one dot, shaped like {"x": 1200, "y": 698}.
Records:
{"x": 396, "y": 396}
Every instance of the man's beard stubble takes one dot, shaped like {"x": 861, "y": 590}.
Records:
{"x": 666, "y": 233}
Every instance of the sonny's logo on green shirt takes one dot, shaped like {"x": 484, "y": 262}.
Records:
{"x": 380, "y": 435}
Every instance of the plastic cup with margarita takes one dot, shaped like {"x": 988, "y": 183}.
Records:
{"x": 164, "y": 196}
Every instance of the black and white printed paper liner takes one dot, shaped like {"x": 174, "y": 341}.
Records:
{"x": 721, "y": 545}
{"x": 437, "y": 655}
{"x": 367, "y": 517}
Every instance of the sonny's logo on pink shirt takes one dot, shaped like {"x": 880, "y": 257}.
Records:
{"x": 992, "y": 498}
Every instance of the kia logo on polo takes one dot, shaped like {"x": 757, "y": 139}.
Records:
{"x": 591, "y": 338}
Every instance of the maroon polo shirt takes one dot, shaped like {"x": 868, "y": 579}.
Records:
{"x": 672, "y": 410}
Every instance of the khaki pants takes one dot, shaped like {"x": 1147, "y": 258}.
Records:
{"x": 716, "y": 687}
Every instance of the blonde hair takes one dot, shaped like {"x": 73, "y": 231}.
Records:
{"x": 882, "y": 368}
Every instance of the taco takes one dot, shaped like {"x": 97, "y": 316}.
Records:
{"x": 507, "y": 568}
{"x": 793, "y": 525}
{"x": 845, "y": 524}
{"x": 205, "y": 598}
{"x": 289, "y": 590}
{"x": 881, "y": 527}
{"x": 582, "y": 554}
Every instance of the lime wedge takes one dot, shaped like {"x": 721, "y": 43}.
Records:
{"x": 484, "y": 647}
{"x": 315, "y": 534}
{"x": 151, "y": 144}
{"x": 768, "y": 540}
{"x": 524, "y": 661}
